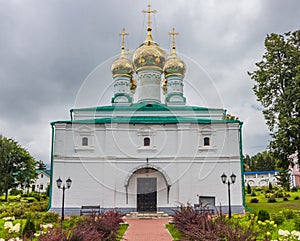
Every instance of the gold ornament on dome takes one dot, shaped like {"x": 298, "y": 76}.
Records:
{"x": 174, "y": 65}
{"x": 122, "y": 66}
{"x": 164, "y": 86}
{"x": 149, "y": 54}
{"x": 132, "y": 84}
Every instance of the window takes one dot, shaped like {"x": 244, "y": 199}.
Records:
{"x": 42, "y": 175}
{"x": 146, "y": 141}
{"x": 41, "y": 187}
{"x": 206, "y": 141}
{"x": 85, "y": 141}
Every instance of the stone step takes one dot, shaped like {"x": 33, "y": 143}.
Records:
{"x": 146, "y": 215}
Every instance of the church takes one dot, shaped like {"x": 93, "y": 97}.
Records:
{"x": 148, "y": 151}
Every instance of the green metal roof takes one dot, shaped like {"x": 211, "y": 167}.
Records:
{"x": 48, "y": 172}
{"x": 143, "y": 106}
{"x": 147, "y": 120}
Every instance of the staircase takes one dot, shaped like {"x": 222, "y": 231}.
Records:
{"x": 145, "y": 215}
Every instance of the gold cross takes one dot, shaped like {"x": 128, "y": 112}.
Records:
{"x": 149, "y": 11}
{"x": 173, "y": 34}
{"x": 123, "y": 34}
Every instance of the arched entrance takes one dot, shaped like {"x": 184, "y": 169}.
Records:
{"x": 151, "y": 185}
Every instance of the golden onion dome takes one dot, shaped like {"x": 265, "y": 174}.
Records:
{"x": 149, "y": 54}
{"x": 122, "y": 66}
{"x": 174, "y": 65}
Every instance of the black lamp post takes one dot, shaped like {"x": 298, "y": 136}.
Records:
{"x": 228, "y": 182}
{"x": 63, "y": 187}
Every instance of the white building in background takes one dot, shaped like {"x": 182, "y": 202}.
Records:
{"x": 147, "y": 151}
{"x": 42, "y": 181}
{"x": 261, "y": 178}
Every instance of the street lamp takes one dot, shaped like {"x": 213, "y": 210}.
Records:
{"x": 225, "y": 181}
{"x": 59, "y": 183}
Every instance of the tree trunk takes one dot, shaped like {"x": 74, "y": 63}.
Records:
{"x": 6, "y": 195}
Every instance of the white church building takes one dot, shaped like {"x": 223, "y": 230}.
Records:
{"x": 147, "y": 151}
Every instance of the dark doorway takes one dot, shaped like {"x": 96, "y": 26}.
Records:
{"x": 146, "y": 194}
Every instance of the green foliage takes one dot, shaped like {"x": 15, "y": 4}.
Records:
{"x": 248, "y": 188}
{"x": 288, "y": 214}
{"x": 297, "y": 223}
{"x": 263, "y": 215}
{"x": 253, "y": 194}
{"x": 40, "y": 165}
{"x": 283, "y": 179}
{"x": 272, "y": 200}
{"x": 20, "y": 210}
{"x": 270, "y": 186}
{"x": 278, "y": 89}
{"x": 15, "y": 192}
{"x": 254, "y": 200}
{"x": 29, "y": 228}
{"x": 260, "y": 162}
{"x": 17, "y": 166}
{"x": 50, "y": 217}
{"x": 278, "y": 218}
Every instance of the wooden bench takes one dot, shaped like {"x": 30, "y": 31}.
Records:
{"x": 88, "y": 210}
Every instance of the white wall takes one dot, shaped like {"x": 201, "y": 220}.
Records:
{"x": 99, "y": 171}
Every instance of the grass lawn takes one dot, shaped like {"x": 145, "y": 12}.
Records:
{"x": 121, "y": 231}
{"x": 275, "y": 207}
{"x": 173, "y": 231}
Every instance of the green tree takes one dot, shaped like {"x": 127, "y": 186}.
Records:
{"x": 284, "y": 179}
{"x": 40, "y": 165}
{"x": 263, "y": 161}
{"x": 17, "y": 166}
{"x": 277, "y": 87}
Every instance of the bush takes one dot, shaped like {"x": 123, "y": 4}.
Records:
{"x": 278, "y": 219}
{"x": 254, "y": 200}
{"x": 96, "y": 228}
{"x": 270, "y": 186}
{"x": 31, "y": 199}
{"x": 296, "y": 198}
{"x": 271, "y": 200}
{"x": 15, "y": 192}
{"x": 297, "y": 223}
{"x": 253, "y": 194}
{"x": 50, "y": 217}
{"x": 29, "y": 228}
{"x": 285, "y": 199}
{"x": 263, "y": 215}
{"x": 248, "y": 188}
{"x": 197, "y": 225}
{"x": 288, "y": 214}
{"x": 294, "y": 189}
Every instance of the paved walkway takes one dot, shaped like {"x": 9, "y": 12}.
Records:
{"x": 147, "y": 230}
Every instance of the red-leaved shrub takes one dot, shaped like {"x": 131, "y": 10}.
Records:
{"x": 93, "y": 228}
{"x": 200, "y": 225}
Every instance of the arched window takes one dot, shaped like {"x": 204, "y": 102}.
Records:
{"x": 85, "y": 141}
{"x": 206, "y": 141}
{"x": 146, "y": 141}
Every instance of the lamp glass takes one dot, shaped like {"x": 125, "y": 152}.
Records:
{"x": 69, "y": 182}
{"x": 223, "y": 177}
{"x": 233, "y": 178}
{"x": 59, "y": 182}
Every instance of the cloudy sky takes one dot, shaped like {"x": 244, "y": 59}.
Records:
{"x": 56, "y": 55}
